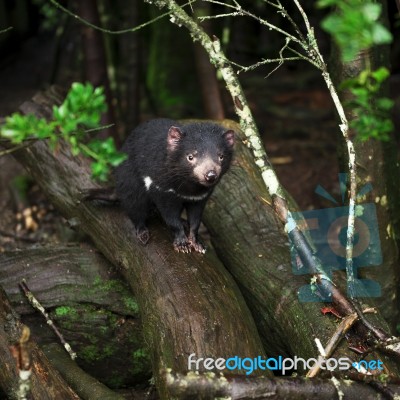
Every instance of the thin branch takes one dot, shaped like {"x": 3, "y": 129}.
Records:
{"x": 281, "y": 57}
{"x": 334, "y": 341}
{"x": 16, "y": 148}
{"x": 99, "y": 28}
{"x": 263, "y": 62}
{"x": 344, "y": 126}
{"x": 241, "y": 11}
{"x": 208, "y": 17}
{"x": 37, "y": 306}
{"x": 303, "y": 57}
{"x": 282, "y": 10}
{"x": 6, "y": 29}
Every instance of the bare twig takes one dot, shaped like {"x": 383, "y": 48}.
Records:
{"x": 37, "y": 306}
{"x": 7, "y": 29}
{"x": 16, "y": 148}
{"x": 264, "y": 62}
{"x": 99, "y": 28}
{"x": 240, "y": 11}
{"x": 344, "y": 127}
{"x": 341, "y": 330}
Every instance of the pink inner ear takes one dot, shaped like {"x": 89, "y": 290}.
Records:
{"x": 230, "y": 138}
{"x": 174, "y": 136}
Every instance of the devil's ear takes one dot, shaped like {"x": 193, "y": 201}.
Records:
{"x": 229, "y": 137}
{"x": 175, "y": 135}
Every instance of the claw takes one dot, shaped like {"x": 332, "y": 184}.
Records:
{"x": 143, "y": 236}
{"x": 196, "y": 245}
{"x": 186, "y": 246}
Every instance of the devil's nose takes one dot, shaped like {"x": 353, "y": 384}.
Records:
{"x": 211, "y": 176}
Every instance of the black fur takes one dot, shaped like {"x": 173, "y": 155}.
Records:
{"x": 173, "y": 167}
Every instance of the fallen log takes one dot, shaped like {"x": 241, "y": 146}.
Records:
{"x": 256, "y": 251}
{"x": 189, "y": 303}
{"x": 89, "y": 303}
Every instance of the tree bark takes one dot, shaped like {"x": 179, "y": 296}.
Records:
{"x": 96, "y": 62}
{"x": 88, "y": 302}
{"x": 189, "y": 303}
{"x": 207, "y": 75}
{"x": 46, "y": 383}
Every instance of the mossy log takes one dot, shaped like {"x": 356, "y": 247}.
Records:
{"x": 189, "y": 303}
{"x": 90, "y": 304}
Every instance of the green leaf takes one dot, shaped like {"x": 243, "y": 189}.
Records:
{"x": 385, "y": 104}
{"x": 326, "y": 3}
{"x": 380, "y": 35}
{"x": 380, "y": 74}
{"x": 355, "y": 26}
{"x": 82, "y": 108}
{"x": 371, "y": 11}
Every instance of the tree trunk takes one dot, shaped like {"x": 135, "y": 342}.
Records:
{"x": 207, "y": 74}
{"x": 95, "y": 61}
{"x": 132, "y": 73}
{"x": 164, "y": 74}
{"x": 189, "y": 303}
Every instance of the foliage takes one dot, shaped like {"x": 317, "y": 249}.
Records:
{"x": 372, "y": 111}
{"x": 52, "y": 18}
{"x": 355, "y": 26}
{"x": 81, "y": 109}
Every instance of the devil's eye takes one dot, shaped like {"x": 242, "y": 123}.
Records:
{"x": 190, "y": 157}
{"x": 221, "y": 157}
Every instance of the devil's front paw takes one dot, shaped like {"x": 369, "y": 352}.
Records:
{"x": 182, "y": 245}
{"x": 196, "y": 244}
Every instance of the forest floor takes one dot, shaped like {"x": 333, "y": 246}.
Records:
{"x": 293, "y": 110}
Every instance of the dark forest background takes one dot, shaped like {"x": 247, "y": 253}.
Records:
{"x": 157, "y": 71}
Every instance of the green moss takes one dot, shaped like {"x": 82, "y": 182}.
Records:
{"x": 131, "y": 304}
{"x": 116, "y": 286}
{"x": 108, "y": 350}
{"x": 108, "y": 285}
{"x": 140, "y": 358}
{"x": 93, "y": 352}
{"x": 90, "y": 353}
{"x": 62, "y": 311}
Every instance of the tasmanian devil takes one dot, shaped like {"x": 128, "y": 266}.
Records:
{"x": 174, "y": 167}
